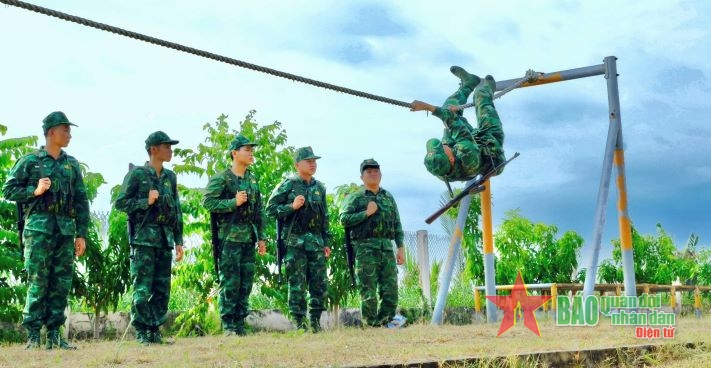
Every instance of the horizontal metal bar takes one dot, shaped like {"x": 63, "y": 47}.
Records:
{"x": 558, "y": 76}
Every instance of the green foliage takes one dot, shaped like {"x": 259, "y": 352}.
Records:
{"x": 106, "y": 266}
{"x": 534, "y": 250}
{"x": 339, "y": 286}
{"x": 410, "y": 294}
{"x": 12, "y": 287}
{"x": 273, "y": 160}
{"x": 657, "y": 260}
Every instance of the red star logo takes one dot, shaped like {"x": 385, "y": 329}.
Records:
{"x": 519, "y": 298}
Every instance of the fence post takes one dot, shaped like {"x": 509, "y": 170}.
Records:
{"x": 676, "y": 296}
{"x": 423, "y": 262}
{"x": 697, "y": 302}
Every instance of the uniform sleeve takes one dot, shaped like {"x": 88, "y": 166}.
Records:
{"x": 399, "y": 235}
{"x": 127, "y": 200}
{"x": 278, "y": 206}
{"x": 211, "y": 198}
{"x": 17, "y": 186}
{"x": 445, "y": 114}
{"x": 81, "y": 203}
{"x": 178, "y": 229}
{"x": 350, "y": 214}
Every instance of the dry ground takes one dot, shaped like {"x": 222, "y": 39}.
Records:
{"x": 351, "y": 347}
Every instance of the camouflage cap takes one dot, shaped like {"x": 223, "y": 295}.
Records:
{"x": 157, "y": 138}
{"x": 304, "y": 153}
{"x": 368, "y": 163}
{"x": 240, "y": 141}
{"x": 436, "y": 161}
{"x": 54, "y": 119}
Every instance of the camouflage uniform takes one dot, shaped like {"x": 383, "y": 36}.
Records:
{"x": 53, "y": 221}
{"x": 372, "y": 238}
{"x": 306, "y": 234}
{"x": 240, "y": 227}
{"x": 475, "y": 151}
{"x": 156, "y": 229}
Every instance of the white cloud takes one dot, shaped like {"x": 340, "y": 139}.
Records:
{"x": 119, "y": 90}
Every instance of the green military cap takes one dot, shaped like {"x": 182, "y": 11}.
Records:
{"x": 157, "y": 138}
{"x": 368, "y": 163}
{"x": 436, "y": 161}
{"x": 54, "y": 119}
{"x": 304, "y": 153}
{"x": 240, "y": 141}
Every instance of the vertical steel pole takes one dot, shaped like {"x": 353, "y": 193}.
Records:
{"x": 488, "y": 248}
{"x": 454, "y": 246}
{"x": 619, "y": 160}
{"x": 604, "y": 188}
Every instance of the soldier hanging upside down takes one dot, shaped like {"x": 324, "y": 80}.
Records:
{"x": 465, "y": 152}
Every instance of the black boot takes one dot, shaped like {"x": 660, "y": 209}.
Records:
{"x": 301, "y": 323}
{"x": 143, "y": 336}
{"x": 54, "y": 339}
{"x": 239, "y": 328}
{"x": 155, "y": 337}
{"x": 33, "y": 339}
{"x": 316, "y": 323}
{"x": 467, "y": 79}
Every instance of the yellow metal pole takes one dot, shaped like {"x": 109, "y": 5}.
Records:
{"x": 486, "y": 227}
{"x": 477, "y": 302}
{"x": 488, "y": 248}
{"x": 554, "y": 294}
{"x": 697, "y": 302}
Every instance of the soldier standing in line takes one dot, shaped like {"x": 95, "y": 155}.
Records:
{"x": 372, "y": 218}
{"x": 149, "y": 196}
{"x": 234, "y": 200}
{"x": 300, "y": 201}
{"x": 48, "y": 183}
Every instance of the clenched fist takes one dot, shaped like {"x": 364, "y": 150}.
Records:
{"x": 152, "y": 197}
{"x": 241, "y": 197}
{"x": 298, "y": 202}
{"x": 42, "y": 186}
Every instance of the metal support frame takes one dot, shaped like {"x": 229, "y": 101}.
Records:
{"x": 614, "y": 153}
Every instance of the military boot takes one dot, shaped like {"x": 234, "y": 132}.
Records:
{"x": 489, "y": 80}
{"x": 301, "y": 323}
{"x": 316, "y": 323}
{"x": 469, "y": 80}
{"x": 239, "y": 328}
{"x": 33, "y": 339}
{"x": 156, "y": 337}
{"x": 143, "y": 337}
{"x": 54, "y": 339}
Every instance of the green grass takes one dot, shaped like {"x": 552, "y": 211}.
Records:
{"x": 350, "y": 346}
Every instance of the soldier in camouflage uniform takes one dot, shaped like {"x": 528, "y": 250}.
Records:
{"x": 233, "y": 197}
{"x": 49, "y": 184}
{"x": 150, "y": 198}
{"x": 464, "y": 151}
{"x": 301, "y": 202}
{"x": 372, "y": 218}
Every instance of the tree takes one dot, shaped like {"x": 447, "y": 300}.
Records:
{"x": 339, "y": 286}
{"x": 533, "y": 249}
{"x": 657, "y": 260}
{"x": 273, "y": 161}
{"x": 12, "y": 287}
{"x": 106, "y": 266}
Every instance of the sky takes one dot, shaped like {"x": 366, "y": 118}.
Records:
{"x": 119, "y": 90}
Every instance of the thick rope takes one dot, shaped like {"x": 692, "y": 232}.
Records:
{"x": 194, "y": 51}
